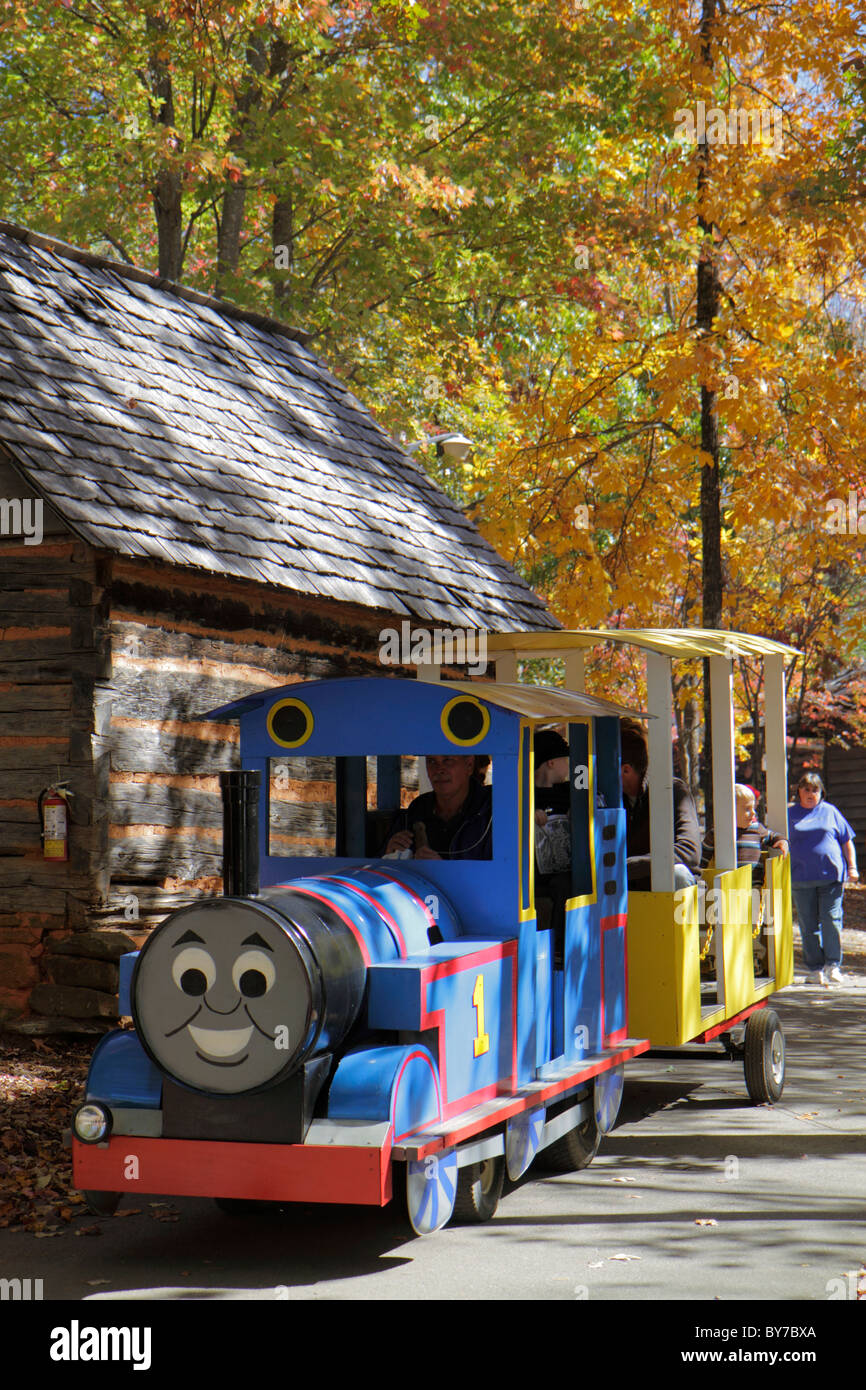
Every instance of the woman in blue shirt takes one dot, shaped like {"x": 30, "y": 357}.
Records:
{"x": 822, "y": 857}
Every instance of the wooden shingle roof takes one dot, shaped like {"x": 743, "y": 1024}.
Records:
{"x": 163, "y": 424}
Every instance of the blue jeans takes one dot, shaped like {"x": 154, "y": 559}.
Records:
{"x": 819, "y": 910}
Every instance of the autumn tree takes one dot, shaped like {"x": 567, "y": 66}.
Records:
{"x": 713, "y": 401}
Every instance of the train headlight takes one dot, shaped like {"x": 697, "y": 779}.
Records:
{"x": 92, "y": 1123}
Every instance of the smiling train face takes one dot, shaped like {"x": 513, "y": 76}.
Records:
{"x": 225, "y": 997}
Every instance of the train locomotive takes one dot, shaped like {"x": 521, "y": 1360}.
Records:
{"x": 345, "y": 1027}
{"x": 349, "y": 1027}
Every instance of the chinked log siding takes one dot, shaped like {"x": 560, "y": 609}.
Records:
{"x": 53, "y": 648}
{"x": 107, "y": 668}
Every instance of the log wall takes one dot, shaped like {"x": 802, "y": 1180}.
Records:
{"x": 106, "y": 669}
{"x": 54, "y": 650}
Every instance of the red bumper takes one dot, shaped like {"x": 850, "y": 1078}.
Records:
{"x": 267, "y": 1172}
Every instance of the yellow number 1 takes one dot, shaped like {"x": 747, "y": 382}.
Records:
{"x": 481, "y": 1042}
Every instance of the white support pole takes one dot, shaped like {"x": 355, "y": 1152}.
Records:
{"x": 506, "y": 667}
{"x": 722, "y": 727}
{"x": 429, "y": 673}
{"x": 659, "y": 701}
{"x": 775, "y": 744}
{"x": 432, "y": 674}
{"x": 575, "y": 676}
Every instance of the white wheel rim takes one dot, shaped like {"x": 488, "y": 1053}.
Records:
{"x": 608, "y": 1094}
{"x": 431, "y": 1188}
{"x": 522, "y": 1138}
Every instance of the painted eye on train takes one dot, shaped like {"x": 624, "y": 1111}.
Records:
{"x": 193, "y": 971}
{"x": 253, "y": 974}
{"x": 465, "y": 721}
{"x": 290, "y": 723}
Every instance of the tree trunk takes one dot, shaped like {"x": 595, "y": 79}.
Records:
{"x": 691, "y": 744}
{"x": 167, "y": 194}
{"x": 235, "y": 194}
{"x": 711, "y": 507}
{"x": 231, "y": 226}
{"x": 284, "y": 254}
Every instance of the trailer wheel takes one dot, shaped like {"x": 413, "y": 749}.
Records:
{"x": 764, "y": 1057}
{"x": 575, "y": 1150}
{"x": 479, "y": 1187}
{"x": 102, "y": 1203}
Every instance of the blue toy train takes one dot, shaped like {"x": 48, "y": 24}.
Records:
{"x": 347, "y": 1027}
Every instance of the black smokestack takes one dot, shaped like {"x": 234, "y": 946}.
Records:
{"x": 240, "y": 793}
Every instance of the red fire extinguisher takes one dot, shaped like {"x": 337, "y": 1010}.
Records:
{"x": 54, "y": 818}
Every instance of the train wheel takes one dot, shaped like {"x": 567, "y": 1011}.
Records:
{"x": 242, "y": 1206}
{"x": 479, "y": 1187}
{"x": 607, "y": 1097}
{"x": 102, "y": 1203}
{"x": 431, "y": 1190}
{"x": 522, "y": 1135}
{"x": 764, "y": 1057}
{"x": 574, "y": 1150}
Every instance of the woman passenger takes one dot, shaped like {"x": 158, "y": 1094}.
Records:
{"x": 822, "y": 858}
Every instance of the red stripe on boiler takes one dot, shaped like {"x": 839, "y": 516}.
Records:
{"x": 362, "y": 945}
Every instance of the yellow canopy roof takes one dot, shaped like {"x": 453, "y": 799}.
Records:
{"x": 541, "y": 704}
{"x": 683, "y": 642}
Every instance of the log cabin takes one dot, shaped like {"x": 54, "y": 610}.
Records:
{"x": 192, "y": 507}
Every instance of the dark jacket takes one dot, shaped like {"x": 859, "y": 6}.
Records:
{"x": 465, "y": 836}
{"x": 687, "y": 834}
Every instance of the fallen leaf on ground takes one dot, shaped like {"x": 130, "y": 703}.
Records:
{"x": 705, "y": 1221}
{"x": 39, "y": 1087}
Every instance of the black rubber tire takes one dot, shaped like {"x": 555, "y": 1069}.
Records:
{"x": 479, "y": 1187}
{"x": 764, "y": 1057}
{"x": 242, "y": 1206}
{"x": 575, "y": 1150}
{"x": 102, "y": 1203}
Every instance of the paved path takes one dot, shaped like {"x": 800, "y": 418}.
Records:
{"x": 697, "y": 1195}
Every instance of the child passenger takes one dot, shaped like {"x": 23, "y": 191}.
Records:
{"x": 752, "y": 836}
{"x": 552, "y": 821}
